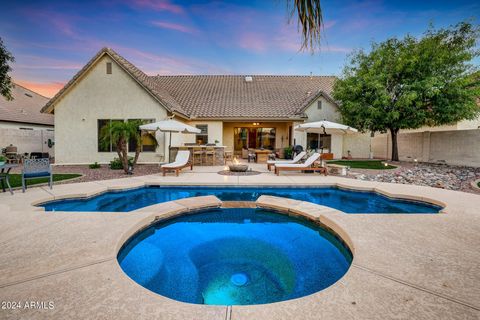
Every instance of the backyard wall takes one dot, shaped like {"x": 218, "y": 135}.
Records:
{"x": 32, "y": 138}
{"x": 458, "y": 147}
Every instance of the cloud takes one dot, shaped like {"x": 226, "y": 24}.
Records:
{"x": 157, "y": 5}
{"x": 47, "y": 89}
{"x": 174, "y": 26}
{"x": 39, "y": 62}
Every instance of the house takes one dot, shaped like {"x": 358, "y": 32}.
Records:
{"x": 23, "y": 125}
{"x": 258, "y": 111}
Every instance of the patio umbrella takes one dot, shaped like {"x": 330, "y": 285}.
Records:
{"x": 325, "y": 127}
{"x": 170, "y": 126}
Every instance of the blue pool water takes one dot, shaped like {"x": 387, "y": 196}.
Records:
{"x": 235, "y": 257}
{"x": 344, "y": 200}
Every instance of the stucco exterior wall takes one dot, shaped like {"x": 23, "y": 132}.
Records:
{"x": 101, "y": 96}
{"x": 358, "y": 144}
{"x": 457, "y": 147}
{"x": 215, "y": 132}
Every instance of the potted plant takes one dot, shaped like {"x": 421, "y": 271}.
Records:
{"x": 288, "y": 151}
{"x": 3, "y": 159}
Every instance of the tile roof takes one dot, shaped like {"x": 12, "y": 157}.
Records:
{"x": 25, "y": 107}
{"x": 230, "y": 96}
{"x": 222, "y": 96}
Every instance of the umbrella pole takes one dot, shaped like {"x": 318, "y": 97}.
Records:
{"x": 169, "y": 146}
{"x": 318, "y": 143}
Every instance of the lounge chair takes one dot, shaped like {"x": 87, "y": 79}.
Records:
{"x": 36, "y": 168}
{"x": 301, "y": 166}
{"x": 298, "y": 157}
{"x": 181, "y": 161}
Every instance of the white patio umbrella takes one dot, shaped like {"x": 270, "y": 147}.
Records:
{"x": 170, "y": 125}
{"x": 325, "y": 127}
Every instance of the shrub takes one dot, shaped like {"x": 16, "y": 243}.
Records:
{"x": 94, "y": 165}
{"x": 116, "y": 163}
{"x": 288, "y": 152}
{"x": 3, "y": 159}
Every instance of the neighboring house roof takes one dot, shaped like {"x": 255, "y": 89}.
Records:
{"x": 222, "y": 96}
{"x": 25, "y": 107}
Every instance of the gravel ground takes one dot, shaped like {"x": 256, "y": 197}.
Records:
{"x": 424, "y": 174}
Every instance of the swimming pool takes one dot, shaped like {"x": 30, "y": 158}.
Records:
{"x": 235, "y": 257}
{"x": 345, "y": 200}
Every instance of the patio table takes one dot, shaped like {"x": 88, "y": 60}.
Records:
{"x": 4, "y": 175}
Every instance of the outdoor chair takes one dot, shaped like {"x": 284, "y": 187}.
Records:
{"x": 298, "y": 157}
{"x": 181, "y": 161}
{"x": 36, "y": 168}
{"x": 308, "y": 165}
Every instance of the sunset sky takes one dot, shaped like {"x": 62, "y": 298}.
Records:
{"x": 52, "y": 40}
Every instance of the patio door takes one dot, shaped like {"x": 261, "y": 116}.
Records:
{"x": 254, "y": 138}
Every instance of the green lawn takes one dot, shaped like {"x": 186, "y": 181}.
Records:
{"x": 16, "y": 179}
{"x": 363, "y": 164}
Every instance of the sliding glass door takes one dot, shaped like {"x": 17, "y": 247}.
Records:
{"x": 254, "y": 138}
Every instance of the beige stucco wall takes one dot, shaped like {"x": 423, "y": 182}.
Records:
{"x": 358, "y": 144}
{"x": 101, "y": 96}
{"x": 458, "y": 147}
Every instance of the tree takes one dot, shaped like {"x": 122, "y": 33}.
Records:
{"x": 310, "y": 21}
{"x": 5, "y": 80}
{"x": 119, "y": 133}
{"x": 409, "y": 83}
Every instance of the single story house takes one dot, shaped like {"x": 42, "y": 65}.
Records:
{"x": 258, "y": 111}
{"x": 23, "y": 125}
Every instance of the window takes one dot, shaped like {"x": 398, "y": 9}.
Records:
{"x": 148, "y": 140}
{"x": 319, "y": 104}
{"x": 109, "y": 68}
{"x": 314, "y": 143}
{"x": 202, "y": 137}
{"x": 104, "y": 142}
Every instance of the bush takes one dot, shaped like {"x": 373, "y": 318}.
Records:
{"x": 3, "y": 159}
{"x": 116, "y": 163}
{"x": 94, "y": 165}
{"x": 288, "y": 152}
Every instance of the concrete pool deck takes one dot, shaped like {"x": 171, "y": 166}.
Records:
{"x": 419, "y": 266}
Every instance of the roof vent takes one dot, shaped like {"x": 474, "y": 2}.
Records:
{"x": 248, "y": 79}
{"x": 28, "y": 95}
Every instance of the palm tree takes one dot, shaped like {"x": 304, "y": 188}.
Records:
{"x": 119, "y": 133}
{"x": 310, "y": 21}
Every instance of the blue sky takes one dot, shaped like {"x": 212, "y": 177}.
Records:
{"x": 52, "y": 40}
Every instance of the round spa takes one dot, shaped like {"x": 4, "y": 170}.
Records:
{"x": 237, "y": 256}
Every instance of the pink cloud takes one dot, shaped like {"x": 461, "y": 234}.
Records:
{"x": 158, "y": 5}
{"x": 38, "y": 62}
{"x": 174, "y": 26}
{"x": 252, "y": 42}
{"x": 45, "y": 89}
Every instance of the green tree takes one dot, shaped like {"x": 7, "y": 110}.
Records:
{"x": 5, "y": 80}
{"x": 412, "y": 82}
{"x": 119, "y": 133}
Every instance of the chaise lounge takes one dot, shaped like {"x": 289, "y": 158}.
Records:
{"x": 181, "y": 161}
{"x": 298, "y": 157}
{"x": 308, "y": 165}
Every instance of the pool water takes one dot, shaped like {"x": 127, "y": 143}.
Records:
{"x": 344, "y": 200}
{"x": 235, "y": 256}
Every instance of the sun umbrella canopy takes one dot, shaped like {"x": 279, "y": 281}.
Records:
{"x": 169, "y": 125}
{"x": 325, "y": 127}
